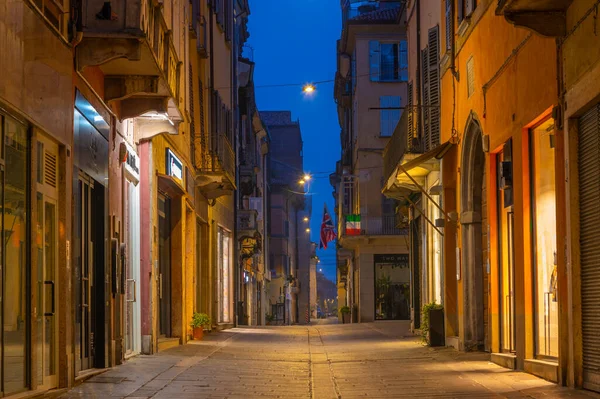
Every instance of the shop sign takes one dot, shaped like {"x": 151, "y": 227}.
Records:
{"x": 131, "y": 161}
{"x": 397, "y": 260}
{"x": 174, "y": 166}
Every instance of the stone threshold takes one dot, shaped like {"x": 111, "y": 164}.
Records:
{"x": 507, "y": 360}
{"x": 545, "y": 369}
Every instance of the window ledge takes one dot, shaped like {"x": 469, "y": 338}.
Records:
{"x": 464, "y": 26}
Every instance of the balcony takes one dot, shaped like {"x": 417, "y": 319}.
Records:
{"x": 132, "y": 45}
{"x": 546, "y": 17}
{"x": 217, "y": 169}
{"x": 373, "y": 226}
{"x": 247, "y": 223}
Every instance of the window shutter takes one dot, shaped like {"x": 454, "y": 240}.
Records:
{"x": 460, "y": 10}
{"x": 434, "y": 87}
{"x": 449, "y": 25}
{"x": 374, "y": 60}
{"x": 425, "y": 99}
{"x": 403, "y": 61}
{"x": 410, "y": 133}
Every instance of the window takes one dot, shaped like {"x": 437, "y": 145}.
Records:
{"x": 224, "y": 266}
{"x": 465, "y": 8}
{"x": 388, "y": 117}
{"x": 449, "y": 25}
{"x": 470, "y": 77}
{"x": 543, "y": 187}
{"x": 388, "y": 61}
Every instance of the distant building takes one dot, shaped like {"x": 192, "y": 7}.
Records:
{"x": 370, "y": 89}
{"x": 289, "y": 234}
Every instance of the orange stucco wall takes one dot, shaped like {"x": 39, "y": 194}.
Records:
{"x": 518, "y": 70}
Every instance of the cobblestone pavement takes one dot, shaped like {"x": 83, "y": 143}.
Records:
{"x": 378, "y": 360}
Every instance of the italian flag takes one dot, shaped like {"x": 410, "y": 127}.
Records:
{"x": 353, "y": 225}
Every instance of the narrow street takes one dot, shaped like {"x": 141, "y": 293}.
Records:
{"x": 373, "y": 360}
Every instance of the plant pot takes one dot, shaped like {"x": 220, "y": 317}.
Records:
{"x": 436, "y": 328}
{"x": 345, "y": 318}
{"x": 198, "y": 333}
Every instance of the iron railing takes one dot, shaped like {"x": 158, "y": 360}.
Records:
{"x": 376, "y": 226}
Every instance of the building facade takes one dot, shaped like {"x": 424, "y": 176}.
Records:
{"x": 370, "y": 91}
{"x": 119, "y": 208}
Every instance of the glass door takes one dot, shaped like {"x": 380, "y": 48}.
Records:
{"x": 506, "y": 261}
{"x": 86, "y": 330}
{"x": 132, "y": 272}
{"x": 14, "y": 257}
{"x": 47, "y": 288}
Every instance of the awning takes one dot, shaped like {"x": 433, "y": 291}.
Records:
{"x": 170, "y": 186}
{"x": 419, "y": 166}
{"x": 409, "y": 177}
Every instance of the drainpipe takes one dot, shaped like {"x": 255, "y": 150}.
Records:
{"x": 212, "y": 234}
{"x": 235, "y": 138}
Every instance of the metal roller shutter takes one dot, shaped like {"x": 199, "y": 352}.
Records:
{"x": 589, "y": 214}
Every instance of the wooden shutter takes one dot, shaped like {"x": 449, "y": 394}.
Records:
{"x": 374, "y": 60}
{"x": 410, "y": 135}
{"x": 589, "y": 237}
{"x": 434, "y": 87}
{"x": 449, "y": 25}
{"x": 460, "y": 10}
{"x": 394, "y": 114}
{"x": 191, "y": 106}
{"x": 425, "y": 99}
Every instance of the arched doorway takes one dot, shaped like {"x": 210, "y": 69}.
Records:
{"x": 473, "y": 215}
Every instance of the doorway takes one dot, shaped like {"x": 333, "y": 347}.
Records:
{"x": 132, "y": 273}
{"x": 47, "y": 260}
{"x": 89, "y": 234}
{"x": 506, "y": 254}
{"x": 164, "y": 254}
{"x": 472, "y": 207}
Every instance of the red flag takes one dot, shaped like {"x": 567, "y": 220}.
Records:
{"x": 327, "y": 229}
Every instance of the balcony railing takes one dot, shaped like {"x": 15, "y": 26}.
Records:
{"x": 375, "y": 226}
{"x": 247, "y": 220}
{"x": 219, "y": 158}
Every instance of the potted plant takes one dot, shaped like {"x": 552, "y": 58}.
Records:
{"x": 269, "y": 318}
{"x": 432, "y": 324}
{"x": 199, "y": 321}
{"x": 345, "y": 311}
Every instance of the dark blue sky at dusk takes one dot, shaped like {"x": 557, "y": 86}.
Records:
{"x": 294, "y": 42}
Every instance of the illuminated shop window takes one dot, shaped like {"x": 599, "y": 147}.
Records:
{"x": 544, "y": 239}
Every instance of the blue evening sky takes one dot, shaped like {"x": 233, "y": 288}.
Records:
{"x": 294, "y": 41}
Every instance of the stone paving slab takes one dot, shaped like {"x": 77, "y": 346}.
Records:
{"x": 326, "y": 360}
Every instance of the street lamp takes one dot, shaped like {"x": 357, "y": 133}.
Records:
{"x": 305, "y": 219}
{"x": 307, "y": 177}
{"x": 301, "y": 181}
{"x": 308, "y": 230}
{"x": 309, "y": 88}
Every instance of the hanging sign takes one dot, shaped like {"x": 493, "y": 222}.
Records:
{"x": 174, "y": 165}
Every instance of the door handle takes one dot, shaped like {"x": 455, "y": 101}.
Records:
{"x": 51, "y": 283}
{"x": 130, "y": 280}
{"x": 160, "y": 286}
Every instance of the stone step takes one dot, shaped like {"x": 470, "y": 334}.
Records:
{"x": 166, "y": 343}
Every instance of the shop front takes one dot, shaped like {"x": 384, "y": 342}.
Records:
{"x": 90, "y": 180}
{"x": 392, "y": 287}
